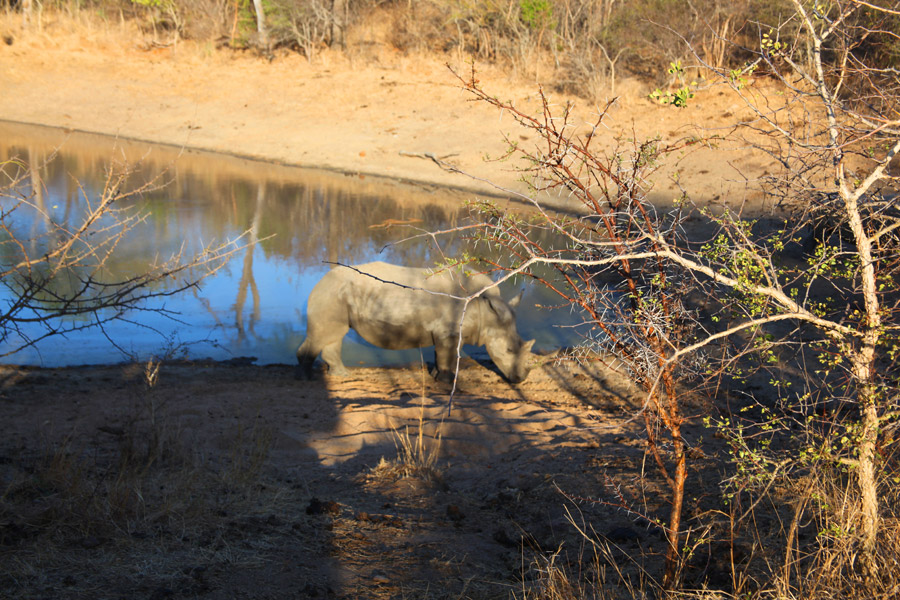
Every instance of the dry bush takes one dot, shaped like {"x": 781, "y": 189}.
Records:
{"x": 579, "y": 46}
{"x": 549, "y": 578}
{"x": 206, "y": 19}
{"x": 594, "y": 570}
{"x": 304, "y": 26}
{"x": 420, "y": 27}
{"x": 417, "y": 454}
{"x": 821, "y": 549}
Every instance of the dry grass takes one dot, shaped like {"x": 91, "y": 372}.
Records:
{"x": 76, "y": 518}
{"x": 826, "y": 564}
{"x": 418, "y": 454}
{"x": 797, "y": 541}
{"x": 597, "y": 571}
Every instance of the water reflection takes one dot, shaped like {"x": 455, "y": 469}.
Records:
{"x": 254, "y": 305}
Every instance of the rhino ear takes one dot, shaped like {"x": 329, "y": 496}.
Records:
{"x": 526, "y": 347}
{"x": 515, "y": 301}
{"x": 491, "y": 302}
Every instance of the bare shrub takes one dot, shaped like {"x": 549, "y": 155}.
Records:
{"x": 206, "y": 20}
{"x": 830, "y": 354}
{"x": 421, "y": 26}
{"x": 305, "y": 26}
{"x": 580, "y": 46}
{"x": 57, "y": 271}
{"x": 609, "y": 263}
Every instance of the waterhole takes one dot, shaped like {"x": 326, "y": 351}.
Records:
{"x": 299, "y": 221}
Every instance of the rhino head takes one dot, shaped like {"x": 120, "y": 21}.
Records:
{"x": 511, "y": 355}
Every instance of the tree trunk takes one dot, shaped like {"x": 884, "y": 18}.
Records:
{"x": 27, "y": 13}
{"x": 673, "y": 552}
{"x": 673, "y": 423}
{"x": 868, "y": 486}
{"x": 863, "y": 369}
{"x": 261, "y": 25}
{"x": 338, "y": 21}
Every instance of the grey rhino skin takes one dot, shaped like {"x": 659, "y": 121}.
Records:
{"x": 387, "y": 305}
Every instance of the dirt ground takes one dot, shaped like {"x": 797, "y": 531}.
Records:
{"x": 236, "y": 481}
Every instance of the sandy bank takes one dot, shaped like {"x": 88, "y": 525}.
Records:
{"x": 377, "y": 114}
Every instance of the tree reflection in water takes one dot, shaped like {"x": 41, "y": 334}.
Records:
{"x": 301, "y": 219}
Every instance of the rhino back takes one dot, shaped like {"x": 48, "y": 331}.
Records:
{"x": 389, "y": 307}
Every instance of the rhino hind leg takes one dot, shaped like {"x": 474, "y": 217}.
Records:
{"x": 328, "y": 345}
{"x": 331, "y": 355}
{"x": 306, "y": 356}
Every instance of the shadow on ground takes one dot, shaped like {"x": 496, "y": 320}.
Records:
{"x": 235, "y": 481}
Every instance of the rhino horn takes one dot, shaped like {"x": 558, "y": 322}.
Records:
{"x": 515, "y": 301}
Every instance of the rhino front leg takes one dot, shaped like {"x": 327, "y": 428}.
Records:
{"x": 445, "y": 360}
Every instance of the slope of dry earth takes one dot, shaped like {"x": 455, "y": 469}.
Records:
{"x": 374, "y": 112}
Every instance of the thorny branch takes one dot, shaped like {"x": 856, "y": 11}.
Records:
{"x": 631, "y": 269}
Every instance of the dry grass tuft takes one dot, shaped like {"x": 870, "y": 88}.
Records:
{"x": 418, "y": 454}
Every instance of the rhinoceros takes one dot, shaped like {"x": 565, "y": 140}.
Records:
{"x": 397, "y": 307}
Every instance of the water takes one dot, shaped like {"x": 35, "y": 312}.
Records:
{"x": 254, "y": 305}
